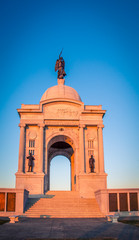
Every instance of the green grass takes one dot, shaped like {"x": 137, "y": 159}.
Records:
{"x": 3, "y": 221}
{"x": 131, "y": 222}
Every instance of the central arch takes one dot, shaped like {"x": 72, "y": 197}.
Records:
{"x": 60, "y": 174}
{"x": 61, "y": 145}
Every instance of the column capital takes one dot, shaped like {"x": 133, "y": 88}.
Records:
{"x": 41, "y": 125}
{"x": 82, "y": 125}
{"x": 100, "y": 126}
{"x": 22, "y": 124}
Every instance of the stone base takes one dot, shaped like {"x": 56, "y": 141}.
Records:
{"x": 91, "y": 182}
{"x": 33, "y": 182}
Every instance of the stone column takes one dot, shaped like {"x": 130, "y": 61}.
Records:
{"x": 72, "y": 172}
{"x": 100, "y": 149}
{"x": 81, "y": 148}
{"x": 45, "y": 151}
{"x": 118, "y": 202}
{"x": 41, "y": 147}
{"x": 128, "y": 201}
{"x": 138, "y": 199}
{"x": 21, "y": 147}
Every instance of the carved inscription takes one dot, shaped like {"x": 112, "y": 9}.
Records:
{"x": 61, "y": 123}
{"x": 67, "y": 112}
{"x": 61, "y": 111}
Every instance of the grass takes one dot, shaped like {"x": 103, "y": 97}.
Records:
{"x": 3, "y": 221}
{"x": 131, "y": 222}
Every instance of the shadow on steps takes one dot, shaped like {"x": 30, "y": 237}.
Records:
{"x": 32, "y": 199}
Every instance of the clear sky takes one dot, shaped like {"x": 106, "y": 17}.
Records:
{"x": 101, "y": 50}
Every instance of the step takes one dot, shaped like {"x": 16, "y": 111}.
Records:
{"x": 62, "y": 204}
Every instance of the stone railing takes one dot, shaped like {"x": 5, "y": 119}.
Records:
{"x": 12, "y": 201}
{"x": 122, "y": 201}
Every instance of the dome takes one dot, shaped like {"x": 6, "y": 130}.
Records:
{"x": 61, "y": 91}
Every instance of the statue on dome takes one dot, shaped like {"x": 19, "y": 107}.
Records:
{"x": 59, "y": 66}
{"x": 92, "y": 163}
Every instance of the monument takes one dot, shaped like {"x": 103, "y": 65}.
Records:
{"x": 61, "y": 124}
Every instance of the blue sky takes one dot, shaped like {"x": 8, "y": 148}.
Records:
{"x": 100, "y": 40}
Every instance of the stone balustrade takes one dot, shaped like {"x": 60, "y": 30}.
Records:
{"x": 123, "y": 201}
{"x": 12, "y": 201}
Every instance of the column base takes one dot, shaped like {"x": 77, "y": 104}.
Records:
{"x": 90, "y": 183}
{"x": 31, "y": 181}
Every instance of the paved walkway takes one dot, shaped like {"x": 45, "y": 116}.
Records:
{"x": 29, "y": 228}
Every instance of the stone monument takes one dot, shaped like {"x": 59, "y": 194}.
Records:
{"x": 61, "y": 125}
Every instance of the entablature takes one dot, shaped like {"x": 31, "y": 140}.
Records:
{"x": 62, "y": 123}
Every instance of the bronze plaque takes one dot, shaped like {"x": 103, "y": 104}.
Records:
{"x": 11, "y": 197}
{"x": 133, "y": 201}
{"x": 2, "y": 201}
{"x": 123, "y": 202}
{"x": 113, "y": 202}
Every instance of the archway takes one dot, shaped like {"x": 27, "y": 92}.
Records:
{"x": 60, "y": 174}
{"x": 61, "y": 145}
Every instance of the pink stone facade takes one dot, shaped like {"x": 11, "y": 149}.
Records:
{"x": 21, "y": 196}
{"x": 61, "y": 116}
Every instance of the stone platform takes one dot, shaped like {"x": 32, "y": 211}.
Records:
{"x": 62, "y": 204}
{"x": 97, "y": 229}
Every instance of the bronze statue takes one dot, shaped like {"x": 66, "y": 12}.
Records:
{"x": 60, "y": 65}
{"x": 92, "y": 163}
{"x": 30, "y": 162}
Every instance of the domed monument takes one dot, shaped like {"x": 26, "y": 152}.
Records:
{"x": 62, "y": 125}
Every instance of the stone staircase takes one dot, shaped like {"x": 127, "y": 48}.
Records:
{"x": 62, "y": 204}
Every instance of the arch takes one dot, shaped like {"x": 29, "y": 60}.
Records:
{"x": 61, "y": 145}
{"x": 62, "y": 137}
{"x": 60, "y": 174}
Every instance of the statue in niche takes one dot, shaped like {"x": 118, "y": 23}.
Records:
{"x": 30, "y": 162}
{"x": 59, "y": 66}
{"x": 92, "y": 163}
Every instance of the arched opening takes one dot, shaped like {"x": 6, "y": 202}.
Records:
{"x": 60, "y": 174}
{"x": 61, "y": 147}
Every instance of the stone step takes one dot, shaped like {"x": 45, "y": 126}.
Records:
{"x": 63, "y": 215}
{"x": 62, "y": 204}
{"x": 65, "y": 203}
{"x": 63, "y": 210}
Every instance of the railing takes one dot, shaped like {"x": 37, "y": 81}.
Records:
{"x": 12, "y": 200}
{"x": 122, "y": 201}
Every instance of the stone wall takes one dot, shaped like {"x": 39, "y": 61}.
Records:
{"x": 12, "y": 201}
{"x": 125, "y": 202}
